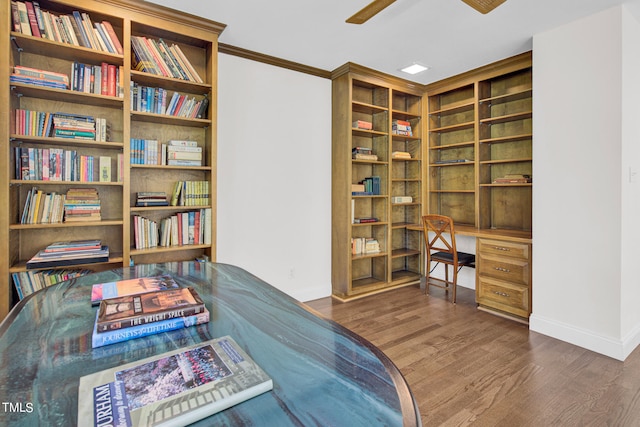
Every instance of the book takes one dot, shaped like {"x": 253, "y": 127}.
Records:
{"x": 83, "y": 257}
{"x": 178, "y": 387}
{"x": 126, "y": 287}
{"x": 149, "y": 307}
{"x": 100, "y": 339}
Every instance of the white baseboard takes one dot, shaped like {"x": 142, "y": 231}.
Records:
{"x": 611, "y": 347}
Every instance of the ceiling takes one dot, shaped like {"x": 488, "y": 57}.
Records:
{"x": 447, "y": 35}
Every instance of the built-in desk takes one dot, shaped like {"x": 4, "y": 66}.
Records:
{"x": 323, "y": 374}
{"x": 503, "y": 270}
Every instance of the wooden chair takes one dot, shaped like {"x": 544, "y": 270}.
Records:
{"x": 440, "y": 241}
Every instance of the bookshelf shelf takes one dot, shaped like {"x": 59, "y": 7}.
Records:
{"x": 117, "y": 260}
{"x": 114, "y": 145}
{"x": 42, "y": 46}
{"x": 66, "y": 95}
{"x": 167, "y": 249}
{"x": 103, "y": 223}
{"x": 197, "y": 40}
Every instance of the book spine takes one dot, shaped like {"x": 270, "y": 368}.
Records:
{"x": 121, "y": 335}
{"x": 145, "y": 319}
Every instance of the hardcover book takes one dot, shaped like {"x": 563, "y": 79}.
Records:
{"x": 99, "y": 339}
{"x": 122, "y": 288}
{"x": 179, "y": 387}
{"x": 133, "y": 310}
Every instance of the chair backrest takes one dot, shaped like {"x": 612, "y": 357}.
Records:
{"x": 439, "y": 234}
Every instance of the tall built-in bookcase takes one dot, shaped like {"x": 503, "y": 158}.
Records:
{"x": 362, "y": 95}
{"x": 480, "y": 163}
{"x": 197, "y": 38}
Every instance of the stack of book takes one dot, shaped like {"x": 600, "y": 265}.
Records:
{"x": 38, "y": 77}
{"x": 363, "y": 153}
{"x": 157, "y": 57}
{"x": 513, "y": 179}
{"x": 151, "y": 198}
{"x": 41, "y": 208}
{"x": 401, "y": 127}
{"x": 77, "y": 28}
{"x": 400, "y": 155}
{"x": 364, "y": 245}
{"x": 139, "y": 307}
{"x": 76, "y": 252}
{"x": 362, "y": 124}
{"x": 27, "y": 282}
{"x": 82, "y": 204}
{"x": 74, "y": 126}
{"x": 183, "y": 153}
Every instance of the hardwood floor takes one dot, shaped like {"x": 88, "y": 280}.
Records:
{"x": 468, "y": 367}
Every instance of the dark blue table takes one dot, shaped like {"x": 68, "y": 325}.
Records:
{"x": 323, "y": 374}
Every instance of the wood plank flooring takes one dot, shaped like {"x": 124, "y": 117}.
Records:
{"x": 468, "y": 367}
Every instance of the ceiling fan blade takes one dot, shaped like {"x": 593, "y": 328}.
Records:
{"x": 369, "y": 11}
{"x": 484, "y": 6}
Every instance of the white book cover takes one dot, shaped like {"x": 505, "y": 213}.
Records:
{"x": 176, "y": 388}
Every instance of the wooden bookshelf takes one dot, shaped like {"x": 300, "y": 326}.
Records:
{"x": 363, "y": 94}
{"x": 198, "y": 40}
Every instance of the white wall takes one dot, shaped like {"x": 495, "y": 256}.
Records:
{"x": 274, "y": 175}
{"x": 581, "y": 194}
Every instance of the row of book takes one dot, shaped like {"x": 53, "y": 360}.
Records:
{"x": 147, "y": 99}
{"x": 58, "y": 164}
{"x": 159, "y": 58}
{"x": 131, "y": 309}
{"x": 183, "y": 228}
{"x": 190, "y": 193}
{"x": 76, "y": 28}
{"x": 104, "y": 79}
{"x": 370, "y": 186}
{"x": 27, "y": 282}
{"x": 78, "y": 204}
{"x": 60, "y": 125}
{"x": 69, "y": 253}
{"x": 364, "y": 245}
{"x": 173, "y": 153}
{"x": 401, "y": 127}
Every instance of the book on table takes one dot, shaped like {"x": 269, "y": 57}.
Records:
{"x": 179, "y": 387}
{"x": 133, "y": 310}
{"x": 100, "y": 339}
{"x": 139, "y": 285}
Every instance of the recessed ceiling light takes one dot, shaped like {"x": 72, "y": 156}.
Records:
{"x": 414, "y": 68}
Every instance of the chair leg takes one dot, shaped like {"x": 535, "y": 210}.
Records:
{"x": 455, "y": 282}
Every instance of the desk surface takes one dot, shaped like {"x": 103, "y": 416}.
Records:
{"x": 489, "y": 233}
{"x": 323, "y": 374}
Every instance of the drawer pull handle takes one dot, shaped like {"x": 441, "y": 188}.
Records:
{"x": 500, "y": 248}
{"x": 502, "y": 294}
{"x": 504, "y": 270}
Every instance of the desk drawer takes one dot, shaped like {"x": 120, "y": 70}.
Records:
{"x": 506, "y": 297}
{"x": 504, "y": 268}
{"x": 503, "y": 248}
